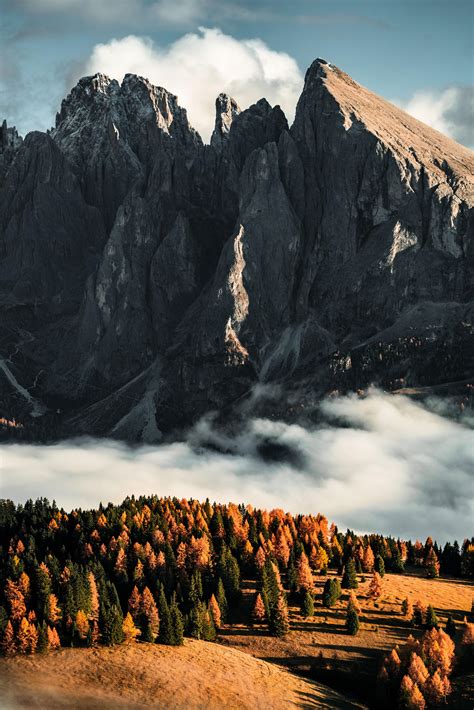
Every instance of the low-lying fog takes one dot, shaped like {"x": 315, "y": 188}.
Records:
{"x": 383, "y": 464}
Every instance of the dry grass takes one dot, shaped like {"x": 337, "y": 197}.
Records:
{"x": 197, "y": 675}
{"x": 382, "y": 624}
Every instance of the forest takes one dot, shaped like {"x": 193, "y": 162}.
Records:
{"x": 154, "y": 570}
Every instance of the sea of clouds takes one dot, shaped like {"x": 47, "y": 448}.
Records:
{"x": 382, "y": 463}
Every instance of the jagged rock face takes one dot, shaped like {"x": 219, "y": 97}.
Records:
{"x": 146, "y": 278}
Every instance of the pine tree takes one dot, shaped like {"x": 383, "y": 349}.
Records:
{"x": 215, "y": 611}
{"x": 129, "y": 630}
{"x": 432, "y": 564}
{"x": 258, "y": 613}
{"x": 375, "y": 586}
{"x": 431, "y": 618}
{"x": 353, "y": 601}
{"x": 9, "y": 647}
{"x": 368, "y": 559}
{"x": 410, "y": 695}
{"x": 111, "y": 619}
{"x": 81, "y": 625}
{"x": 16, "y": 600}
{"x": 418, "y": 614}
{"x": 165, "y": 634}
{"x": 32, "y": 638}
{"x": 279, "y": 621}
{"x": 451, "y": 627}
{"x": 407, "y": 609}
{"x": 352, "y": 621}
{"x": 177, "y": 623}
{"x": 222, "y": 600}
{"x": 307, "y": 607}
{"x": 349, "y": 578}
{"x": 43, "y": 641}
{"x": 380, "y": 565}
{"x": 53, "y": 638}
{"x": 134, "y": 603}
{"x": 53, "y": 610}
{"x": 417, "y": 670}
{"x": 304, "y": 577}
{"x": 437, "y": 688}
{"x": 148, "y": 613}
{"x": 94, "y": 598}
{"x": 23, "y": 636}
{"x": 331, "y": 592}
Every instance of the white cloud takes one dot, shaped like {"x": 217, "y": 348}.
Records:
{"x": 450, "y": 111}
{"x": 395, "y": 467}
{"x": 198, "y": 66}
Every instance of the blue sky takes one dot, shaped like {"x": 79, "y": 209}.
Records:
{"x": 410, "y": 51}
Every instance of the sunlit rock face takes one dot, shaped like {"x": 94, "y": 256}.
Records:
{"x": 146, "y": 278}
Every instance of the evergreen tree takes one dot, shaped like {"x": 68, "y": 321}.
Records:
{"x": 380, "y": 565}
{"x": 352, "y": 621}
{"x": 331, "y": 592}
{"x": 222, "y": 600}
{"x": 431, "y": 618}
{"x": 349, "y": 579}
{"x": 111, "y": 620}
{"x": 279, "y": 621}
{"x": 43, "y": 642}
{"x": 451, "y": 627}
{"x": 165, "y": 634}
{"x": 307, "y": 607}
{"x": 259, "y": 613}
{"x": 177, "y": 623}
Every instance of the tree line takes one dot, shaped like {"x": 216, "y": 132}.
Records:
{"x": 156, "y": 569}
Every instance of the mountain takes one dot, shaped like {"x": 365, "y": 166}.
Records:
{"x": 147, "y": 278}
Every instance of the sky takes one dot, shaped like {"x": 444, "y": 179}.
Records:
{"x": 417, "y": 53}
{"x": 382, "y": 464}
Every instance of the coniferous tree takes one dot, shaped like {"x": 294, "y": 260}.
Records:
{"x": 259, "y": 613}
{"x": 279, "y": 621}
{"x": 129, "y": 630}
{"x": 450, "y": 627}
{"x": 9, "y": 646}
{"x": 380, "y": 565}
{"x": 165, "y": 634}
{"x": 222, "y": 600}
{"x": 431, "y": 618}
{"x": 349, "y": 578}
{"x": 177, "y": 623}
{"x": 307, "y": 606}
{"x": 43, "y": 641}
{"x": 352, "y": 621}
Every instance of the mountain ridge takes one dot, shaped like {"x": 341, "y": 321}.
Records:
{"x": 274, "y": 254}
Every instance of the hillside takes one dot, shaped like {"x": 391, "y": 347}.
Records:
{"x": 196, "y": 676}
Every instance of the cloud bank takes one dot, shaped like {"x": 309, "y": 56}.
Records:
{"x": 200, "y": 65}
{"x": 382, "y": 463}
{"x": 450, "y": 111}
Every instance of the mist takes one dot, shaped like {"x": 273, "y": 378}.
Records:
{"x": 382, "y": 463}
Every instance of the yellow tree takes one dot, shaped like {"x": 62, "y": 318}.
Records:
{"x": 215, "y": 611}
{"x": 23, "y": 636}
{"x": 259, "y": 610}
{"x": 375, "y": 586}
{"x": 53, "y": 638}
{"x": 304, "y": 577}
{"x": 16, "y": 600}
{"x": 8, "y": 640}
{"x": 129, "y": 629}
{"x": 417, "y": 670}
{"x": 94, "y": 596}
{"x": 437, "y": 688}
{"x": 150, "y": 612}
{"x": 368, "y": 559}
{"x": 53, "y": 610}
{"x": 82, "y": 625}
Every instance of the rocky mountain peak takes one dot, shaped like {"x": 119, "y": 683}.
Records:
{"x": 226, "y": 111}
{"x": 145, "y": 279}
